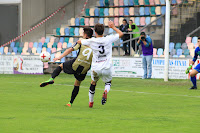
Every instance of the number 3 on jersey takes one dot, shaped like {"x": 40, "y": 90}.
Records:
{"x": 102, "y": 49}
{"x": 87, "y": 52}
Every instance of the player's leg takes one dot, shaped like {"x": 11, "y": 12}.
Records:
{"x": 55, "y": 73}
{"x": 149, "y": 65}
{"x": 95, "y": 78}
{"x": 74, "y": 92}
{"x": 193, "y": 74}
{"x": 144, "y": 65}
{"x": 107, "y": 78}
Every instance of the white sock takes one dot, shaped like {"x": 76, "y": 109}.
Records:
{"x": 91, "y": 96}
{"x": 107, "y": 86}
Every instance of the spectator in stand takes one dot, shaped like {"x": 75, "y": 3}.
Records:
{"x": 124, "y": 28}
{"x": 147, "y": 50}
{"x": 133, "y": 28}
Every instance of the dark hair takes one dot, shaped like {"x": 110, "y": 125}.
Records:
{"x": 88, "y": 31}
{"x": 125, "y": 20}
{"x": 131, "y": 20}
{"x": 99, "y": 29}
{"x": 199, "y": 38}
{"x": 142, "y": 33}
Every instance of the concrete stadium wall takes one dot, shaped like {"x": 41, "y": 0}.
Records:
{"x": 33, "y": 11}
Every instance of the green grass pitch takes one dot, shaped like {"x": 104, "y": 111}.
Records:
{"x": 133, "y": 106}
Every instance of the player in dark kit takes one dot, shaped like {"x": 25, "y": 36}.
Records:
{"x": 78, "y": 66}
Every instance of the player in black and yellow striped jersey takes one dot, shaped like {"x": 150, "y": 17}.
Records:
{"x": 78, "y": 66}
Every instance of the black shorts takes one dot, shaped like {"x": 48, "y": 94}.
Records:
{"x": 67, "y": 68}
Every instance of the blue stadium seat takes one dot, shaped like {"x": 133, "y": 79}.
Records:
{"x": 173, "y": 1}
{"x": 126, "y": 11}
{"x": 179, "y": 52}
{"x": 101, "y": 2}
{"x": 74, "y": 53}
{"x": 71, "y": 32}
{"x": 40, "y": 45}
{"x": 131, "y": 2}
{"x": 110, "y": 30}
{"x": 126, "y": 2}
{"x": 136, "y": 2}
{"x": 162, "y": 2}
{"x": 76, "y": 31}
{"x": 96, "y": 12}
{"x": 146, "y": 11}
{"x": 35, "y": 45}
{"x": 106, "y": 12}
{"x": 69, "y": 45}
{"x": 62, "y": 60}
{"x": 52, "y": 57}
{"x": 96, "y": 20}
{"x": 58, "y": 31}
{"x": 111, "y": 2}
{"x": 47, "y": 40}
{"x": 62, "y": 39}
{"x": 39, "y": 50}
{"x": 15, "y": 50}
{"x": 160, "y": 52}
{"x": 49, "y": 50}
{"x": 163, "y": 9}
{"x": 77, "y": 22}
{"x": 1, "y": 50}
{"x": 148, "y": 20}
{"x": 175, "y": 56}
{"x": 171, "y": 46}
{"x": 67, "y": 31}
{"x": 137, "y": 20}
{"x": 106, "y": 2}
{"x": 194, "y": 40}
{"x": 186, "y": 52}
{"x": 12, "y": 44}
{"x": 142, "y": 11}
{"x": 66, "y": 39}
{"x": 82, "y": 21}
{"x": 101, "y": 12}
{"x": 159, "y": 21}
{"x": 44, "y": 45}
{"x": 101, "y": 20}
{"x": 178, "y": 46}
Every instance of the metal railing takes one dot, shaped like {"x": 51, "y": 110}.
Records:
{"x": 194, "y": 31}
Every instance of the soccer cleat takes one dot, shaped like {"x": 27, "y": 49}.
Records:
{"x": 69, "y": 104}
{"x": 91, "y": 104}
{"x": 104, "y": 97}
{"x": 193, "y": 88}
{"x": 50, "y": 81}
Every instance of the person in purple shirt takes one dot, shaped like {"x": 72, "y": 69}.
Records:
{"x": 147, "y": 50}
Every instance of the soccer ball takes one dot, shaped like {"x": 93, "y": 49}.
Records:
{"x": 45, "y": 56}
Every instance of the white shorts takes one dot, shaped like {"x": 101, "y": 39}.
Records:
{"x": 105, "y": 74}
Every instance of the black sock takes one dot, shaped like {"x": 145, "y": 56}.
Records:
{"x": 74, "y": 93}
{"x": 56, "y": 72}
{"x": 92, "y": 89}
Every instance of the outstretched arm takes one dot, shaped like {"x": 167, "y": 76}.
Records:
{"x": 67, "y": 51}
{"x": 111, "y": 25}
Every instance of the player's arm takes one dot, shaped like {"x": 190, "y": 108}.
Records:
{"x": 192, "y": 62}
{"x": 111, "y": 25}
{"x": 67, "y": 51}
{"x": 147, "y": 42}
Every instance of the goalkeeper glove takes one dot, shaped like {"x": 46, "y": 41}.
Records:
{"x": 188, "y": 69}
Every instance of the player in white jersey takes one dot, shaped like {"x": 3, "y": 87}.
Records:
{"x": 102, "y": 59}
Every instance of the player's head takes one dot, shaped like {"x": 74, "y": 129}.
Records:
{"x": 87, "y": 32}
{"x": 124, "y": 22}
{"x": 130, "y": 22}
{"x": 99, "y": 29}
{"x": 143, "y": 35}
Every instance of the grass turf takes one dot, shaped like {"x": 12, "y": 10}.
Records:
{"x": 134, "y": 105}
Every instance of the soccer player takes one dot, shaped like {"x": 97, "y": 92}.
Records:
{"x": 78, "y": 66}
{"x": 102, "y": 59}
{"x": 196, "y": 70}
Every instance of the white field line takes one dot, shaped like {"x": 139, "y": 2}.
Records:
{"x": 139, "y": 92}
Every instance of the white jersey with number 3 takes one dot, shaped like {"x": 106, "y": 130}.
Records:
{"x": 102, "y": 51}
